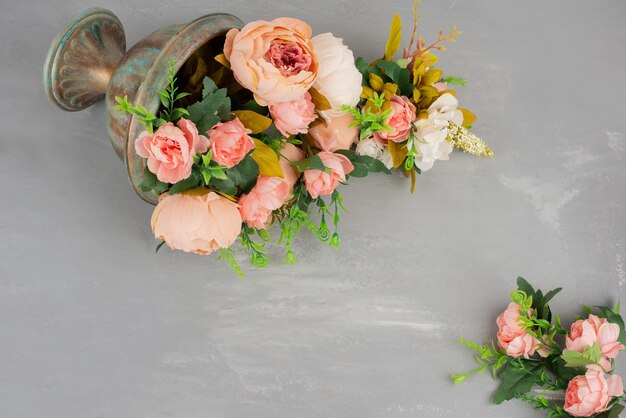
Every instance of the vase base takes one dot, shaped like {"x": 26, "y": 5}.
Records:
{"x": 82, "y": 58}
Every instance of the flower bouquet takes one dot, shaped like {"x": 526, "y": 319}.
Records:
{"x": 535, "y": 357}
{"x": 261, "y": 130}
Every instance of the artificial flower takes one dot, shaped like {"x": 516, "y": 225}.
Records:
{"x": 170, "y": 150}
{"x": 230, "y": 142}
{"x": 274, "y": 60}
{"x": 290, "y": 154}
{"x": 400, "y": 120}
{"x": 267, "y": 195}
{"x": 587, "y": 332}
{"x": 293, "y": 117}
{"x": 334, "y": 133}
{"x": 590, "y": 394}
{"x": 370, "y": 147}
{"x": 197, "y": 221}
{"x": 318, "y": 182}
{"x": 338, "y": 79}
{"x": 513, "y": 338}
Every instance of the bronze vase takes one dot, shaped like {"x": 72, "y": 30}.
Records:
{"x": 88, "y": 61}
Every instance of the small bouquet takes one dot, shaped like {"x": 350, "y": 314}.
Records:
{"x": 261, "y": 133}
{"x": 535, "y": 358}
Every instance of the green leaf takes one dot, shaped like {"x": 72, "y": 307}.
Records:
{"x": 525, "y": 287}
{"x": 241, "y": 177}
{"x": 590, "y": 355}
{"x": 517, "y": 382}
{"x": 613, "y": 412}
{"x": 189, "y": 183}
{"x": 363, "y": 164}
{"x": 397, "y": 74}
{"x": 563, "y": 374}
{"x": 151, "y": 183}
{"x": 363, "y": 68}
{"x": 214, "y": 106}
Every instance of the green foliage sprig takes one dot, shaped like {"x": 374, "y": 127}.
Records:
{"x": 372, "y": 121}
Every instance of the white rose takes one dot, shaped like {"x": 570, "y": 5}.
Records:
{"x": 338, "y": 79}
{"x": 369, "y": 147}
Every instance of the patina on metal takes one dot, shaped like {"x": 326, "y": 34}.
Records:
{"x": 87, "y": 62}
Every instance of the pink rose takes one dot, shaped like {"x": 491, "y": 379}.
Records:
{"x": 170, "y": 150}
{"x": 230, "y": 142}
{"x": 320, "y": 182}
{"x": 274, "y": 60}
{"x": 288, "y": 154}
{"x": 293, "y": 117}
{"x": 586, "y": 332}
{"x": 590, "y": 394}
{"x": 334, "y": 134}
{"x": 513, "y": 338}
{"x": 197, "y": 221}
{"x": 267, "y": 195}
{"x": 400, "y": 120}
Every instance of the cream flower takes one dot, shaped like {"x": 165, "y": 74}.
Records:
{"x": 338, "y": 79}
{"x": 431, "y": 133}
{"x": 372, "y": 148}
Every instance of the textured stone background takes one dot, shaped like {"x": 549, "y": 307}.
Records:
{"x": 93, "y": 324}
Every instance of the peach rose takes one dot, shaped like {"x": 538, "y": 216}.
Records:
{"x": 293, "y": 117}
{"x": 590, "y": 394}
{"x": 320, "y": 182}
{"x": 274, "y": 60}
{"x": 170, "y": 150}
{"x": 586, "y": 332}
{"x": 334, "y": 134}
{"x": 196, "y": 221}
{"x": 513, "y": 338}
{"x": 267, "y": 195}
{"x": 230, "y": 142}
{"x": 400, "y": 120}
{"x": 288, "y": 154}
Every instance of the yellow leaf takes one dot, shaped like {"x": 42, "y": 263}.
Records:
{"x": 416, "y": 95}
{"x": 395, "y": 37}
{"x": 376, "y": 82}
{"x": 255, "y": 122}
{"x": 418, "y": 69}
{"x": 468, "y": 117}
{"x": 430, "y": 77}
{"x": 221, "y": 58}
{"x": 390, "y": 89}
{"x": 398, "y": 153}
{"x": 267, "y": 160}
{"x": 429, "y": 59}
{"x": 319, "y": 100}
{"x": 367, "y": 92}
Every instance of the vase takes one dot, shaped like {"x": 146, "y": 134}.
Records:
{"x": 88, "y": 62}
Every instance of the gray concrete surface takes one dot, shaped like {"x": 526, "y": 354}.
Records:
{"x": 94, "y": 324}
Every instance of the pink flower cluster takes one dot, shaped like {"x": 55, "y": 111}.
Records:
{"x": 590, "y": 394}
{"x": 514, "y": 339}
